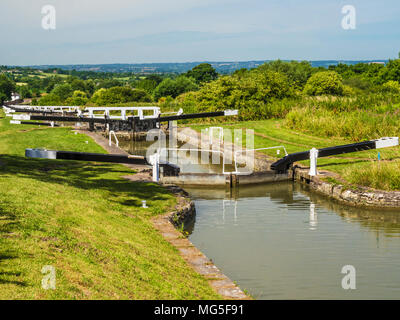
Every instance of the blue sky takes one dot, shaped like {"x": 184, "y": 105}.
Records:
{"x": 139, "y": 31}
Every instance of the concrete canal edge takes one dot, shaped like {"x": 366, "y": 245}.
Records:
{"x": 167, "y": 225}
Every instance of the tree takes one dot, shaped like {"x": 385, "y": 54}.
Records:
{"x": 24, "y": 92}
{"x": 324, "y": 82}
{"x": 63, "y": 91}
{"x": 50, "y": 99}
{"x": 297, "y": 73}
{"x": 79, "y": 98}
{"x": 7, "y": 86}
{"x": 173, "y": 88}
{"x": 391, "y": 71}
{"x": 3, "y": 97}
{"x": 119, "y": 95}
{"x": 109, "y": 83}
{"x": 204, "y": 72}
{"x": 149, "y": 84}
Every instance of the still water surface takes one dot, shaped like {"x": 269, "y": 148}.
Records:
{"x": 279, "y": 241}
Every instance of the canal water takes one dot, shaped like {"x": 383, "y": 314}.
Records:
{"x": 281, "y": 241}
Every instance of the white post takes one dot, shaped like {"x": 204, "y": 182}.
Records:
{"x": 155, "y": 161}
{"x": 313, "y": 162}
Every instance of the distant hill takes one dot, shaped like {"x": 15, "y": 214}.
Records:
{"x": 180, "y": 67}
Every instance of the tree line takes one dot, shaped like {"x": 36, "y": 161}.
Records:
{"x": 202, "y": 88}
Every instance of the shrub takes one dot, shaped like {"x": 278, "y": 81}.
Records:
{"x": 79, "y": 98}
{"x": 50, "y": 99}
{"x": 324, "y": 82}
{"x": 63, "y": 91}
{"x": 119, "y": 95}
{"x": 391, "y": 86}
{"x": 173, "y": 88}
{"x": 204, "y": 72}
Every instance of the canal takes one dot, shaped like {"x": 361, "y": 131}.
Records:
{"x": 282, "y": 241}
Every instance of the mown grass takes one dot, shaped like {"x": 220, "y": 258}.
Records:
{"x": 359, "y": 168}
{"x": 87, "y": 222}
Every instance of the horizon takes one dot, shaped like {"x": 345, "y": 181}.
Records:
{"x": 204, "y": 61}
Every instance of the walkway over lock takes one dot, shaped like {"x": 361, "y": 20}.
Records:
{"x": 140, "y": 112}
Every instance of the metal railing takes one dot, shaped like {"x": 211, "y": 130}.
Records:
{"x": 110, "y": 134}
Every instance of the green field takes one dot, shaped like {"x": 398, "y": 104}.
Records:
{"x": 359, "y": 168}
{"x": 85, "y": 221}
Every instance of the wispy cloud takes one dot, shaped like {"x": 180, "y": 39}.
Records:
{"x": 90, "y": 31}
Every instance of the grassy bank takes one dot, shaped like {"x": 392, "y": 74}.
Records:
{"x": 87, "y": 222}
{"x": 359, "y": 168}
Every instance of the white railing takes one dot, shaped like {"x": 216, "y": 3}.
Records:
{"x": 110, "y": 134}
{"x": 138, "y": 112}
{"x": 48, "y": 108}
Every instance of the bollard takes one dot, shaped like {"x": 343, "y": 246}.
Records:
{"x": 313, "y": 162}
{"x": 155, "y": 162}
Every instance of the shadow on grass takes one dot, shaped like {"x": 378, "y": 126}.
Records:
{"x": 83, "y": 175}
{"x": 5, "y": 274}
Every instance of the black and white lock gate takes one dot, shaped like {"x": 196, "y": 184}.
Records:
{"x": 169, "y": 169}
{"x": 132, "y": 123}
{"x": 282, "y": 165}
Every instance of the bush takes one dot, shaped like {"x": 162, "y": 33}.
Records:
{"x": 79, "y": 98}
{"x": 63, "y": 91}
{"x": 174, "y": 88}
{"x": 391, "y": 86}
{"x": 119, "y": 95}
{"x": 324, "y": 83}
{"x": 7, "y": 86}
{"x": 254, "y": 93}
{"x": 297, "y": 72}
{"x": 204, "y": 72}
{"x": 50, "y": 99}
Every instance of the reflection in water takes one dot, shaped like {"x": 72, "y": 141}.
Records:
{"x": 282, "y": 241}
{"x": 187, "y": 161}
{"x": 313, "y": 217}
